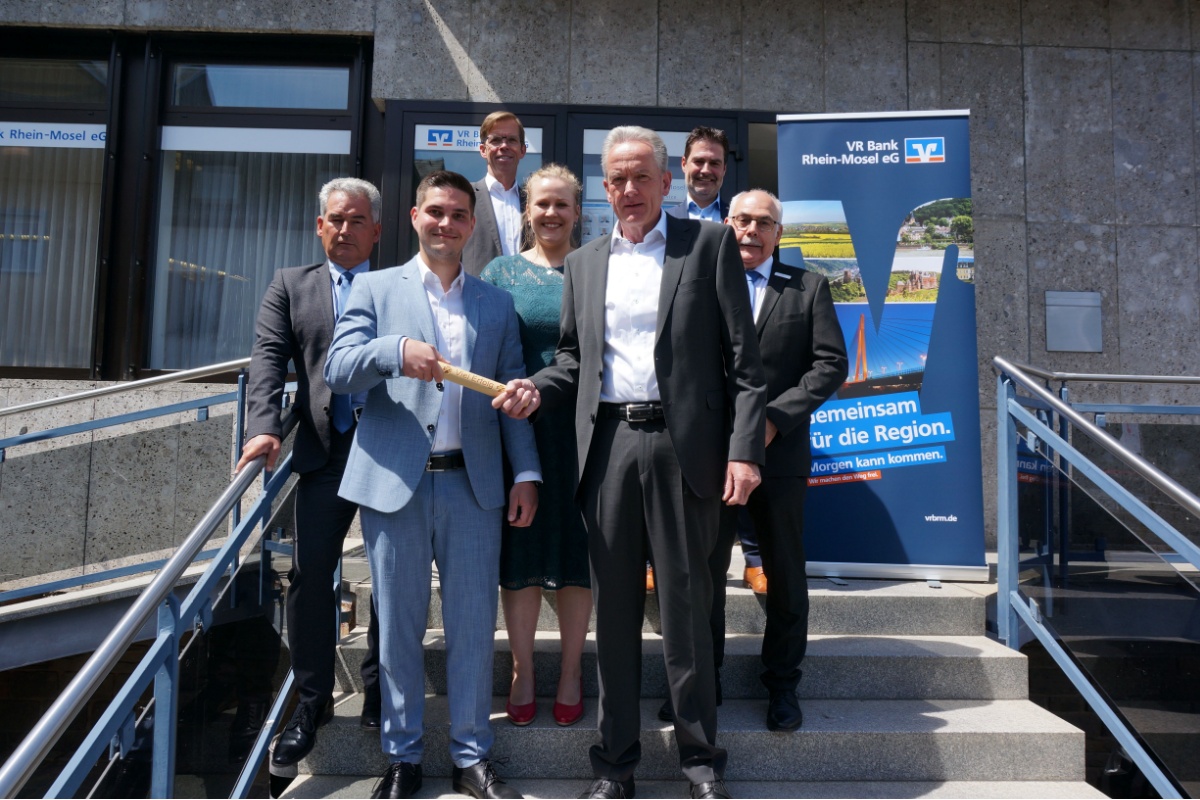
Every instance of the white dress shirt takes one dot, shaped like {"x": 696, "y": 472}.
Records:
{"x": 450, "y": 326}
{"x": 631, "y": 316}
{"x": 506, "y": 205}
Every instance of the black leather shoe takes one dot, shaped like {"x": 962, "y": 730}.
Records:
{"x": 300, "y": 735}
{"x": 710, "y": 789}
{"x": 666, "y": 712}
{"x": 400, "y": 780}
{"x": 371, "y": 718}
{"x": 603, "y": 787}
{"x": 783, "y": 711}
{"x": 480, "y": 780}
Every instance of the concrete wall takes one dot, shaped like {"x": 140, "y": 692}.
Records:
{"x": 94, "y": 500}
{"x": 1084, "y": 119}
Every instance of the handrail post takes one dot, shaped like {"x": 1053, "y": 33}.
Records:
{"x": 239, "y": 433}
{"x": 1006, "y": 512}
{"x": 166, "y": 699}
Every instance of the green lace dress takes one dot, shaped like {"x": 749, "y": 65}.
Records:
{"x": 552, "y": 552}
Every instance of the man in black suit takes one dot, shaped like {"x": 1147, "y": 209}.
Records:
{"x": 657, "y": 352}
{"x": 804, "y": 357}
{"x": 498, "y": 200}
{"x": 295, "y": 323}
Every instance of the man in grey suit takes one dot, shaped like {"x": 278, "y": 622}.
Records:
{"x": 295, "y": 323}
{"x": 657, "y": 352}
{"x": 498, "y": 199}
{"x": 426, "y": 471}
{"x": 804, "y": 358}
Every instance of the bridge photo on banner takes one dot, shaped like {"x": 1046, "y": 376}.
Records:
{"x": 880, "y": 204}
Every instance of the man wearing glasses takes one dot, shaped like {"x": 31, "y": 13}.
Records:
{"x": 804, "y": 358}
{"x": 498, "y": 200}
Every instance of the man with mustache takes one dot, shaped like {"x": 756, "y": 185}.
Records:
{"x": 804, "y": 357}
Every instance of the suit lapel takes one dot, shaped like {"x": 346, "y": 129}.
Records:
{"x": 679, "y": 243}
{"x": 595, "y": 275}
{"x": 410, "y": 279}
{"x": 770, "y": 297}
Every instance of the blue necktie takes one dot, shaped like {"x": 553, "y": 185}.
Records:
{"x": 753, "y": 279}
{"x": 343, "y": 410}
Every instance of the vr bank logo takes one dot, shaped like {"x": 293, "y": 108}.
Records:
{"x": 441, "y": 137}
{"x": 931, "y": 150}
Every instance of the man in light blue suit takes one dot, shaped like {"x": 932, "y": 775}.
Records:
{"x": 426, "y": 469}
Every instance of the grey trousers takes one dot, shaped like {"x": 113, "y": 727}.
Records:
{"x": 636, "y": 504}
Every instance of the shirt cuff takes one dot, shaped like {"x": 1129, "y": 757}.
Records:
{"x": 400, "y": 353}
{"x": 528, "y": 475}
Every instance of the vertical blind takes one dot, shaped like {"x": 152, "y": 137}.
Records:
{"x": 227, "y": 221}
{"x": 49, "y": 227}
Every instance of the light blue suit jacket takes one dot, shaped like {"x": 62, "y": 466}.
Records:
{"x": 395, "y": 433}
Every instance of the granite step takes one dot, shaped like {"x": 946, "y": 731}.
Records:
{"x": 847, "y": 667}
{"x": 863, "y": 607}
{"x": 842, "y": 740}
{"x": 341, "y": 786}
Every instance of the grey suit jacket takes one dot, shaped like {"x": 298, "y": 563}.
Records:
{"x": 295, "y": 323}
{"x": 804, "y": 357}
{"x": 484, "y": 244}
{"x": 395, "y": 432}
{"x": 705, "y": 352}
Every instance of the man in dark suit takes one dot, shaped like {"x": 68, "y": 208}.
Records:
{"x": 498, "y": 200}
{"x": 704, "y": 156}
{"x": 658, "y": 354}
{"x": 804, "y": 357}
{"x": 295, "y": 323}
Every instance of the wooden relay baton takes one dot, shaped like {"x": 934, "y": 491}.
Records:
{"x": 471, "y": 381}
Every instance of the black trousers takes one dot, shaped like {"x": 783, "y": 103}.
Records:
{"x": 313, "y": 603}
{"x": 776, "y": 508}
{"x": 636, "y": 504}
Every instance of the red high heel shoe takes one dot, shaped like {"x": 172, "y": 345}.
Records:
{"x": 521, "y": 715}
{"x": 566, "y": 715}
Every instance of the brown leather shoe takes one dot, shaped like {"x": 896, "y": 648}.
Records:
{"x": 755, "y": 579}
{"x": 650, "y": 579}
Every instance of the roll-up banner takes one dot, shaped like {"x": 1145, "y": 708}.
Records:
{"x": 880, "y": 204}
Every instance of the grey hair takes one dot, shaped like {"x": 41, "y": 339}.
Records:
{"x": 633, "y": 133}
{"x": 353, "y": 187}
{"x": 776, "y": 206}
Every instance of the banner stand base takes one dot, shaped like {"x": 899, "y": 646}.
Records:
{"x": 905, "y": 572}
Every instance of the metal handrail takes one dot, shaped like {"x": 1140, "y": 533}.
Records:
{"x": 45, "y": 734}
{"x": 1050, "y": 375}
{"x": 120, "y": 388}
{"x": 1151, "y": 473}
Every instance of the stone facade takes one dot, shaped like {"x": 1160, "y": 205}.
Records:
{"x": 1085, "y": 121}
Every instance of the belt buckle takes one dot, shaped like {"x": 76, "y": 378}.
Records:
{"x": 429, "y": 467}
{"x": 639, "y": 412}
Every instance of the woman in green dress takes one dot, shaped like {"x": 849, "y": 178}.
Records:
{"x": 551, "y": 554}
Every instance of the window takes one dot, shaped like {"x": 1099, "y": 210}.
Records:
{"x": 237, "y": 203}
{"x": 51, "y": 175}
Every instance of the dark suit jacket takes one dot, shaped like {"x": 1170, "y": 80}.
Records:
{"x": 705, "y": 353}
{"x": 295, "y": 322}
{"x": 804, "y": 357}
{"x": 484, "y": 244}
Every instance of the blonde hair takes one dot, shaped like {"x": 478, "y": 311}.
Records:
{"x": 550, "y": 170}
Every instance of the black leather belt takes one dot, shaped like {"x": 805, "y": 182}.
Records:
{"x": 445, "y": 461}
{"x": 633, "y": 412}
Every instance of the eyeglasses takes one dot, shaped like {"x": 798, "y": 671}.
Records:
{"x": 742, "y": 222}
{"x": 500, "y": 141}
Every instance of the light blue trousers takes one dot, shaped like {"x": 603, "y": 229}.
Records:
{"x": 441, "y": 522}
